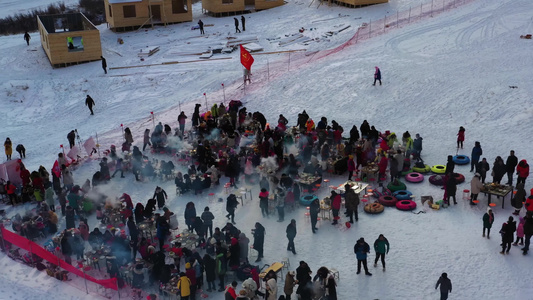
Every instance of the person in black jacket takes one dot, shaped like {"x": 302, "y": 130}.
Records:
{"x": 201, "y": 26}
{"x": 160, "y": 195}
{"x": 451, "y": 188}
{"x": 104, "y": 64}
{"x": 445, "y": 286}
{"x": 259, "y": 240}
{"x": 21, "y": 150}
{"x": 134, "y": 236}
{"x": 450, "y": 165}
{"x": 236, "y": 25}
{"x": 510, "y": 166}
{"x": 507, "y": 232}
{"x": 210, "y": 273}
{"x": 314, "y": 209}
{"x": 303, "y": 276}
{"x": 498, "y": 170}
{"x": 291, "y": 234}
{"x": 231, "y": 205}
{"x": 66, "y": 249}
{"x": 89, "y": 102}
{"x": 482, "y": 167}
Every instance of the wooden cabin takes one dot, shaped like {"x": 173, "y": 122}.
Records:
{"x": 358, "y": 3}
{"x": 124, "y": 15}
{"x": 219, "y": 8}
{"x": 69, "y": 39}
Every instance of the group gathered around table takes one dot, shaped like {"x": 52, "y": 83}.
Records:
{"x": 142, "y": 246}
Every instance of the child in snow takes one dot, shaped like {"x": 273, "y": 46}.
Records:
{"x": 460, "y": 137}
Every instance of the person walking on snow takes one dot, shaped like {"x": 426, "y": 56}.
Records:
{"x": 291, "y": 234}
{"x": 476, "y": 154}
{"x": 445, "y": 286}
{"x": 89, "y": 102}
{"x": 361, "y": 249}
{"x": 488, "y": 219}
{"x": 104, "y": 64}
{"x": 201, "y": 25}
{"x": 460, "y": 137}
{"x": 510, "y": 166}
{"x": 381, "y": 246}
{"x": 27, "y": 38}
{"x": 243, "y": 21}
{"x": 507, "y": 232}
{"x": 377, "y": 76}
{"x": 237, "y": 25}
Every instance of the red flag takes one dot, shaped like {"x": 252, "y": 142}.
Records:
{"x": 56, "y": 169}
{"x": 246, "y": 58}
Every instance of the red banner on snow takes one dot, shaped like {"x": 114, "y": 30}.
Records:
{"x": 36, "y": 249}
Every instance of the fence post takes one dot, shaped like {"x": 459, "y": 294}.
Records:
{"x": 268, "y": 71}
{"x": 289, "y": 65}
{"x": 2, "y": 237}
{"x": 85, "y": 279}
{"x": 31, "y": 257}
{"x": 118, "y": 289}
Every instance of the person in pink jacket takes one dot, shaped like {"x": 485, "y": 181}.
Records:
{"x": 335, "y": 206}
{"x": 520, "y": 232}
{"x": 383, "y": 163}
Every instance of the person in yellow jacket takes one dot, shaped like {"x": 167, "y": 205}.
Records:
{"x": 184, "y": 286}
{"x": 9, "y": 148}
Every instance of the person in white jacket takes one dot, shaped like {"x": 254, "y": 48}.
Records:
{"x": 475, "y": 188}
{"x": 271, "y": 286}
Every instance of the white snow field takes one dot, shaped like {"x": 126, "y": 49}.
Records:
{"x": 452, "y": 69}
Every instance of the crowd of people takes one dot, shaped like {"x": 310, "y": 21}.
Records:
{"x": 240, "y": 145}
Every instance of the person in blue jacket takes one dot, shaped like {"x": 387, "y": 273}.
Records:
{"x": 476, "y": 154}
{"x": 361, "y": 249}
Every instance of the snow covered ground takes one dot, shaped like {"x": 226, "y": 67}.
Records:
{"x": 13, "y": 7}
{"x": 453, "y": 69}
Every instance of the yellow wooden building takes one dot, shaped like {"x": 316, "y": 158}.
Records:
{"x": 124, "y": 15}
{"x": 219, "y": 8}
{"x": 69, "y": 39}
{"x": 358, "y": 3}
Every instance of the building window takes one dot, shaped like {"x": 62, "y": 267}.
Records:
{"x": 129, "y": 11}
{"x": 75, "y": 43}
{"x": 227, "y": 1}
{"x": 110, "y": 11}
{"x": 179, "y": 6}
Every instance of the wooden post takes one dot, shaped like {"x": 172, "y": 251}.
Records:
{"x": 224, "y": 91}
{"x": 97, "y": 145}
{"x": 31, "y": 257}
{"x": 268, "y": 71}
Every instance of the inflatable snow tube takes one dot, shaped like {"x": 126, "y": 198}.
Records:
{"x": 378, "y": 194}
{"x": 387, "y": 200}
{"x": 374, "y": 208}
{"x": 438, "y": 169}
{"x": 306, "y": 200}
{"x": 404, "y": 173}
{"x": 402, "y": 195}
{"x": 425, "y": 169}
{"x": 406, "y": 205}
{"x": 414, "y": 177}
{"x": 436, "y": 180}
{"x": 393, "y": 188}
{"x": 461, "y": 159}
{"x": 459, "y": 178}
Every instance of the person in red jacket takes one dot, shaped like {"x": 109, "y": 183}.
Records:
{"x": 460, "y": 137}
{"x": 335, "y": 206}
{"x": 522, "y": 170}
{"x": 383, "y": 162}
{"x": 11, "y": 192}
{"x": 230, "y": 293}
{"x": 351, "y": 167}
{"x": 529, "y": 203}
